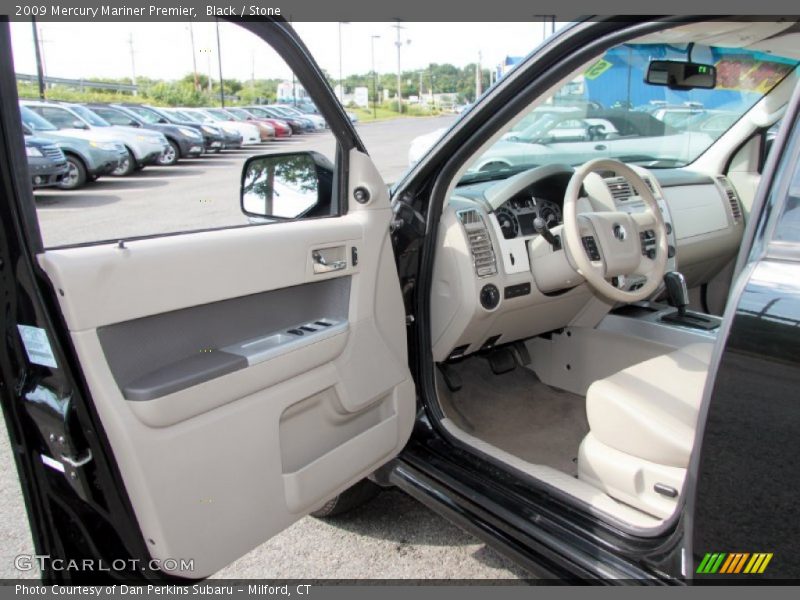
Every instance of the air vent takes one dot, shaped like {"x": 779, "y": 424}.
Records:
{"x": 620, "y": 189}
{"x": 733, "y": 198}
{"x": 480, "y": 243}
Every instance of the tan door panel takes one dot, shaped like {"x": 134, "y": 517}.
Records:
{"x": 313, "y": 394}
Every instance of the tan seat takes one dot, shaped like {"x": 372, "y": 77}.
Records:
{"x": 642, "y": 423}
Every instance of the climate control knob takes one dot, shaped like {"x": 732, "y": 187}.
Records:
{"x": 490, "y": 296}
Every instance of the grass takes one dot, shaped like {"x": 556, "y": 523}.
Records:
{"x": 383, "y": 113}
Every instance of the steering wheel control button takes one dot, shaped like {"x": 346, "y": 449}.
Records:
{"x": 490, "y": 296}
{"x": 670, "y": 251}
{"x": 591, "y": 248}
{"x": 668, "y": 228}
{"x": 648, "y": 240}
{"x": 515, "y": 291}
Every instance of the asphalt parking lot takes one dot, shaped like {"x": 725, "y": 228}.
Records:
{"x": 200, "y": 193}
{"x": 393, "y": 537}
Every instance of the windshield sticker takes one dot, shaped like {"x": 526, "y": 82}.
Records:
{"x": 37, "y": 346}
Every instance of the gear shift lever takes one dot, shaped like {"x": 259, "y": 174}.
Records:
{"x": 677, "y": 293}
{"x": 678, "y": 296}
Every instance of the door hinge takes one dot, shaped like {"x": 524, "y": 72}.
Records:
{"x": 407, "y": 217}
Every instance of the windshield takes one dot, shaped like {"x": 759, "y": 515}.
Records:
{"x": 238, "y": 114}
{"x": 34, "y": 122}
{"x": 148, "y": 116}
{"x": 215, "y": 113}
{"x": 90, "y": 117}
{"x": 610, "y": 111}
{"x": 258, "y": 112}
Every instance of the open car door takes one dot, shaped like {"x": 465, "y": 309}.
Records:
{"x": 185, "y": 397}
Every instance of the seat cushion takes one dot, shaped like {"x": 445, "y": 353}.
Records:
{"x": 649, "y": 410}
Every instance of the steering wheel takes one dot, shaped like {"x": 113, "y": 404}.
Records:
{"x": 606, "y": 244}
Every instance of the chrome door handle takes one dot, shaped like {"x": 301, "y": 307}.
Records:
{"x": 323, "y": 266}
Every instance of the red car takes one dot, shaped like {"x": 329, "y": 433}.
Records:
{"x": 282, "y": 128}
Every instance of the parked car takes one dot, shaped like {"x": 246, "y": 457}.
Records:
{"x": 249, "y": 133}
{"x": 88, "y": 156}
{"x": 515, "y": 349}
{"x": 309, "y": 108}
{"x": 233, "y": 137}
{"x": 281, "y": 127}
{"x": 265, "y": 129}
{"x": 298, "y": 125}
{"x": 317, "y": 122}
{"x": 566, "y": 134}
{"x": 214, "y": 138}
{"x": 183, "y": 141}
{"x": 46, "y": 162}
{"x": 142, "y": 147}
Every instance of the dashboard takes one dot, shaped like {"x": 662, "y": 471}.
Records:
{"x": 516, "y": 216}
{"x": 497, "y": 280}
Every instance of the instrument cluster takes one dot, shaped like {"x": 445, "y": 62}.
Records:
{"x": 517, "y": 215}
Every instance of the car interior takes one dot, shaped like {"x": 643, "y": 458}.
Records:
{"x": 575, "y": 305}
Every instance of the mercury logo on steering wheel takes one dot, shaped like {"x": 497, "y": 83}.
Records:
{"x": 619, "y": 232}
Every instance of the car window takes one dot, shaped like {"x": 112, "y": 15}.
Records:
{"x": 90, "y": 117}
{"x": 114, "y": 117}
{"x": 788, "y": 225}
{"x": 34, "y": 122}
{"x": 63, "y": 119}
{"x": 145, "y": 114}
{"x": 636, "y": 122}
{"x": 185, "y": 174}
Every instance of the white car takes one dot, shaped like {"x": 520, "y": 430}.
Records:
{"x": 578, "y": 136}
{"x": 143, "y": 147}
{"x": 218, "y": 117}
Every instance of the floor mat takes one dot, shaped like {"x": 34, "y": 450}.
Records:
{"x": 517, "y": 413}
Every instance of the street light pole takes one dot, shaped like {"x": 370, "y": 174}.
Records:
{"x": 341, "y": 76}
{"x": 194, "y": 58}
{"x": 39, "y": 70}
{"x": 399, "y": 45}
{"x": 374, "y": 79}
{"x": 219, "y": 60}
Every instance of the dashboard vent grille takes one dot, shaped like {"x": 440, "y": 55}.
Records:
{"x": 733, "y": 198}
{"x": 620, "y": 189}
{"x": 480, "y": 243}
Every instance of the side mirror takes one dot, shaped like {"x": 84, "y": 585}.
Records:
{"x": 77, "y": 124}
{"x": 678, "y": 75}
{"x": 133, "y": 123}
{"x": 287, "y": 186}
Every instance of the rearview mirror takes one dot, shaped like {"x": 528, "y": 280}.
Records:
{"x": 679, "y": 75}
{"x": 287, "y": 186}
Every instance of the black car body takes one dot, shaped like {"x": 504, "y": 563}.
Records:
{"x": 186, "y": 140}
{"x": 82, "y": 471}
{"x": 213, "y": 137}
{"x": 46, "y": 162}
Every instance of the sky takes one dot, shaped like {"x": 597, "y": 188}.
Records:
{"x": 164, "y": 51}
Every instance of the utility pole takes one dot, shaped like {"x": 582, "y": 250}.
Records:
{"x": 194, "y": 59}
{"x": 39, "y": 70}
{"x": 374, "y": 79}
{"x": 341, "y": 76}
{"x": 399, "y": 45}
{"x": 219, "y": 61}
{"x": 478, "y": 77}
{"x": 430, "y": 73}
{"x": 133, "y": 62}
